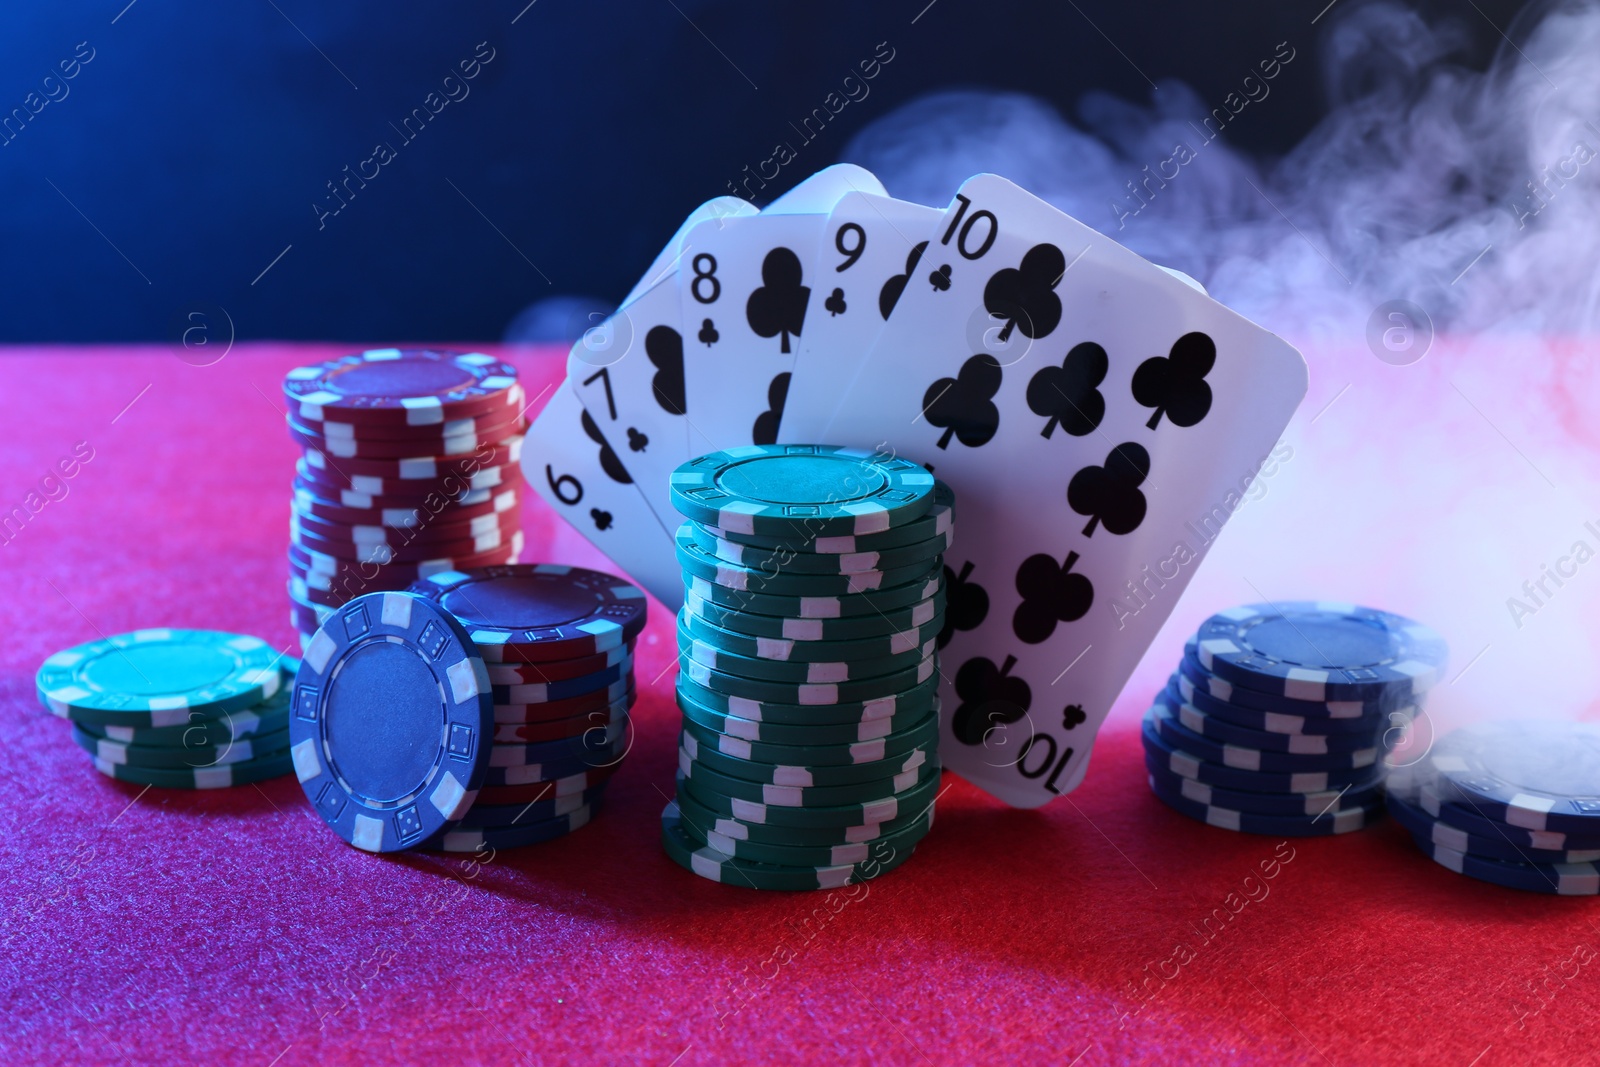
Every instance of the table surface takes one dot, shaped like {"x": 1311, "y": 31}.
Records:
{"x": 156, "y": 926}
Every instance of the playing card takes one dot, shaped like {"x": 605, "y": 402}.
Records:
{"x": 870, "y": 247}
{"x": 628, "y": 372}
{"x": 745, "y": 291}
{"x": 567, "y": 459}
{"x": 1097, "y": 419}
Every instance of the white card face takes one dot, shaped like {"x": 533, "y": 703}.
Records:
{"x": 628, "y": 372}
{"x": 1097, "y": 419}
{"x": 745, "y": 290}
{"x": 666, "y": 261}
{"x": 869, "y": 249}
{"x": 567, "y": 460}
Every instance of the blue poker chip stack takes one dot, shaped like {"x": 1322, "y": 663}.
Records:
{"x": 1280, "y": 716}
{"x": 1516, "y": 804}
{"x": 809, "y": 684}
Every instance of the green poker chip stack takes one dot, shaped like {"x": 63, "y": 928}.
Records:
{"x": 808, "y": 650}
{"x": 181, "y": 709}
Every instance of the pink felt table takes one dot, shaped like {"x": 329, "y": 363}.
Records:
{"x": 160, "y": 927}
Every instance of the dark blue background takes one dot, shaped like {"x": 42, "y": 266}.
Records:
{"x": 189, "y": 152}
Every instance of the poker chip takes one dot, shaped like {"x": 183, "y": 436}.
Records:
{"x": 1261, "y": 803}
{"x": 544, "y": 692}
{"x": 329, "y": 556}
{"x": 824, "y": 630}
{"x": 1191, "y": 765}
{"x": 801, "y": 775}
{"x": 557, "y": 770}
{"x": 1320, "y": 651}
{"x": 555, "y": 670}
{"x": 391, "y": 389}
{"x": 344, "y": 443}
{"x": 158, "y": 678}
{"x": 808, "y": 680}
{"x": 536, "y": 811}
{"x": 327, "y": 478}
{"x": 620, "y": 695}
{"x": 1273, "y": 722}
{"x": 805, "y": 490}
{"x": 876, "y": 749}
{"x": 1429, "y": 831}
{"x": 1221, "y": 730}
{"x": 189, "y": 756}
{"x": 223, "y": 776}
{"x": 1535, "y": 775}
{"x": 875, "y": 602}
{"x": 1166, "y": 718}
{"x": 552, "y": 730}
{"x": 787, "y": 650}
{"x": 1322, "y": 824}
{"x": 429, "y": 499}
{"x": 413, "y": 468}
{"x": 391, "y": 724}
{"x": 533, "y": 791}
{"x": 937, "y": 525}
{"x": 802, "y": 672}
{"x": 476, "y": 839}
{"x": 1317, "y": 716}
{"x": 719, "y": 867}
{"x": 784, "y": 560}
{"x": 501, "y": 526}
{"x": 700, "y": 563}
{"x": 442, "y": 510}
{"x": 1556, "y": 879}
{"x": 702, "y": 821}
{"x": 269, "y": 717}
{"x": 540, "y": 611}
{"x": 595, "y": 745}
{"x": 484, "y": 425}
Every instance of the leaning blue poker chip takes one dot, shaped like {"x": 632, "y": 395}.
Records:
{"x": 530, "y": 612}
{"x": 1321, "y": 651}
{"x": 1327, "y": 823}
{"x": 1418, "y": 786}
{"x": 1532, "y": 774}
{"x": 149, "y": 679}
{"x": 391, "y": 722}
{"x": 1556, "y": 879}
{"x": 1433, "y": 831}
{"x": 802, "y": 490}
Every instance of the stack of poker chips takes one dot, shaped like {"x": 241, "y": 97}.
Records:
{"x": 410, "y": 466}
{"x": 1280, "y": 716}
{"x": 1512, "y": 803}
{"x": 558, "y": 644}
{"x": 182, "y": 709}
{"x": 808, "y": 677}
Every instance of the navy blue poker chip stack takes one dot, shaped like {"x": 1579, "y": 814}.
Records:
{"x": 1279, "y": 717}
{"x": 1512, "y": 803}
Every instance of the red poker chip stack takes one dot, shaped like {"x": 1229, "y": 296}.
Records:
{"x": 409, "y": 467}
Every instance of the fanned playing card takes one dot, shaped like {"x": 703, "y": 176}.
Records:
{"x": 1095, "y": 416}
{"x": 746, "y": 292}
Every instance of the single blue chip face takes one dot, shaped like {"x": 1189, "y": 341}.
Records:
{"x": 391, "y": 722}
{"x": 1532, "y": 774}
{"x": 1321, "y": 651}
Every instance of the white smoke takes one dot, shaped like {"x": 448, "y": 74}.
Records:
{"x": 1450, "y": 483}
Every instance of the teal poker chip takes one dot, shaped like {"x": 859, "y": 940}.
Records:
{"x": 806, "y": 855}
{"x": 880, "y": 809}
{"x": 801, "y": 775}
{"x": 795, "y": 796}
{"x": 158, "y": 678}
{"x": 1321, "y": 651}
{"x": 479, "y": 838}
{"x": 811, "y": 750}
{"x": 823, "y": 630}
{"x": 907, "y": 706}
{"x": 702, "y": 821}
{"x": 700, "y": 563}
{"x": 877, "y": 602}
{"x": 189, "y": 757}
{"x": 1324, "y": 824}
{"x": 802, "y": 490}
{"x": 268, "y": 717}
{"x": 796, "y": 673}
{"x": 717, "y": 866}
{"x": 785, "y": 650}
{"x": 803, "y": 693}
{"x": 937, "y": 524}
{"x": 392, "y": 722}
{"x": 223, "y": 776}
{"x": 787, "y": 560}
